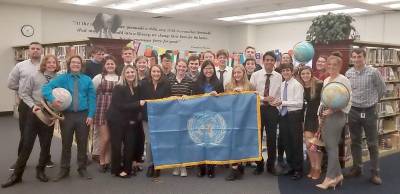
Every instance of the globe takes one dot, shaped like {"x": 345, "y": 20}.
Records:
{"x": 63, "y": 96}
{"x": 335, "y": 95}
{"x": 303, "y": 52}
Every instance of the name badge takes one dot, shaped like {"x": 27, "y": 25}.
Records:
{"x": 362, "y": 115}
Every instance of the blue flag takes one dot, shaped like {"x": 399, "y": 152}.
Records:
{"x": 205, "y": 130}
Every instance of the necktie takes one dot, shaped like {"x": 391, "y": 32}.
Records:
{"x": 267, "y": 82}
{"x": 284, "y": 109}
{"x": 75, "y": 98}
{"x": 221, "y": 76}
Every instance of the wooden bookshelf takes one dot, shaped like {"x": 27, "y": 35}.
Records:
{"x": 65, "y": 49}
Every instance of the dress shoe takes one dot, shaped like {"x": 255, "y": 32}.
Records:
{"x": 234, "y": 175}
{"x": 156, "y": 173}
{"x": 14, "y": 179}
{"x": 84, "y": 174}
{"x": 329, "y": 183}
{"x": 289, "y": 172}
{"x": 272, "y": 170}
{"x": 64, "y": 173}
{"x": 103, "y": 168}
{"x": 354, "y": 172}
{"x": 150, "y": 171}
{"x": 41, "y": 176}
{"x": 296, "y": 175}
{"x": 176, "y": 171}
{"x": 50, "y": 164}
{"x": 259, "y": 170}
{"x": 241, "y": 169}
{"x": 96, "y": 158}
{"x": 211, "y": 172}
{"x": 375, "y": 179}
{"x": 202, "y": 171}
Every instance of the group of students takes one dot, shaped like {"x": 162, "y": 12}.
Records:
{"x": 112, "y": 98}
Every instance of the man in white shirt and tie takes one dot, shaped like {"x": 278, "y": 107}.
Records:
{"x": 268, "y": 86}
{"x": 290, "y": 121}
{"x": 224, "y": 72}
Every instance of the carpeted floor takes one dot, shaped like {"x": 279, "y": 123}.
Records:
{"x": 105, "y": 183}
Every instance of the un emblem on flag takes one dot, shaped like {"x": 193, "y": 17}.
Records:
{"x": 207, "y": 128}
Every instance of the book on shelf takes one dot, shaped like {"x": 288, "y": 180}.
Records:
{"x": 388, "y": 107}
{"x": 382, "y": 56}
{"x": 21, "y": 54}
{"x": 389, "y": 73}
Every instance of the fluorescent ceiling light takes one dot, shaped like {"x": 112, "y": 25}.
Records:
{"x": 393, "y": 6}
{"x": 303, "y": 15}
{"x": 182, "y": 6}
{"x": 82, "y": 2}
{"x": 378, "y": 1}
{"x": 128, "y": 5}
{"x": 283, "y": 12}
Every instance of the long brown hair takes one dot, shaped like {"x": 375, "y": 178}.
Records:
{"x": 313, "y": 81}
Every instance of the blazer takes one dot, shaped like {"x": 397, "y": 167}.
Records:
{"x": 125, "y": 106}
{"x": 147, "y": 92}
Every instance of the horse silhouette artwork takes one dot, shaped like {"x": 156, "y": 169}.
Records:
{"x": 106, "y": 24}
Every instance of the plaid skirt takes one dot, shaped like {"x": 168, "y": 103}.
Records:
{"x": 103, "y": 101}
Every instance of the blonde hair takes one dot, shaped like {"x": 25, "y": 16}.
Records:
{"x": 122, "y": 81}
{"x": 244, "y": 83}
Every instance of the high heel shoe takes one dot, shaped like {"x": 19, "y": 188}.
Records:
{"x": 339, "y": 180}
{"x": 328, "y": 184}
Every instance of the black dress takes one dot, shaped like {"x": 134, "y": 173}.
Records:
{"x": 311, "y": 108}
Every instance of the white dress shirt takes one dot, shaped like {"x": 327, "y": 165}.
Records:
{"x": 295, "y": 98}
{"x": 227, "y": 74}
{"x": 258, "y": 80}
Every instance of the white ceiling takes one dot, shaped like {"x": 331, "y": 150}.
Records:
{"x": 207, "y": 13}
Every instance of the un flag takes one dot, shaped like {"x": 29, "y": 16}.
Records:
{"x": 205, "y": 130}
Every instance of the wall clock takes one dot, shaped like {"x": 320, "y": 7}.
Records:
{"x": 27, "y": 30}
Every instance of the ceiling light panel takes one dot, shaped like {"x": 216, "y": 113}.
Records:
{"x": 393, "y": 6}
{"x": 184, "y": 6}
{"x": 284, "y": 12}
{"x": 303, "y": 16}
{"x": 129, "y": 5}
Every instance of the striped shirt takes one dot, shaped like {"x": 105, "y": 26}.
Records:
{"x": 367, "y": 86}
{"x": 184, "y": 87}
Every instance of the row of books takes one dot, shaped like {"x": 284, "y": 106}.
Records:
{"x": 382, "y": 56}
{"x": 389, "y": 73}
{"x": 392, "y": 90}
{"x": 63, "y": 52}
{"x": 388, "y": 107}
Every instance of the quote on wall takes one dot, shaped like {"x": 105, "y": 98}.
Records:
{"x": 152, "y": 35}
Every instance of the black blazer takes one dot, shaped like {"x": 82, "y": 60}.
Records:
{"x": 147, "y": 92}
{"x": 124, "y": 106}
{"x": 198, "y": 87}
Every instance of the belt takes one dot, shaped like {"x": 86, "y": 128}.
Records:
{"x": 294, "y": 111}
{"x": 363, "y": 109}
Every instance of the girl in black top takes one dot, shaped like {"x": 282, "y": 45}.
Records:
{"x": 250, "y": 66}
{"x": 122, "y": 118}
{"x": 155, "y": 87}
{"x": 312, "y": 98}
{"x": 207, "y": 82}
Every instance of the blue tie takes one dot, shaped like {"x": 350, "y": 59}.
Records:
{"x": 284, "y": 109}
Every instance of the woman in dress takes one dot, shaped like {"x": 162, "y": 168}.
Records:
{"x": 104, "y": 84}
{"x": 312, "y": 97}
